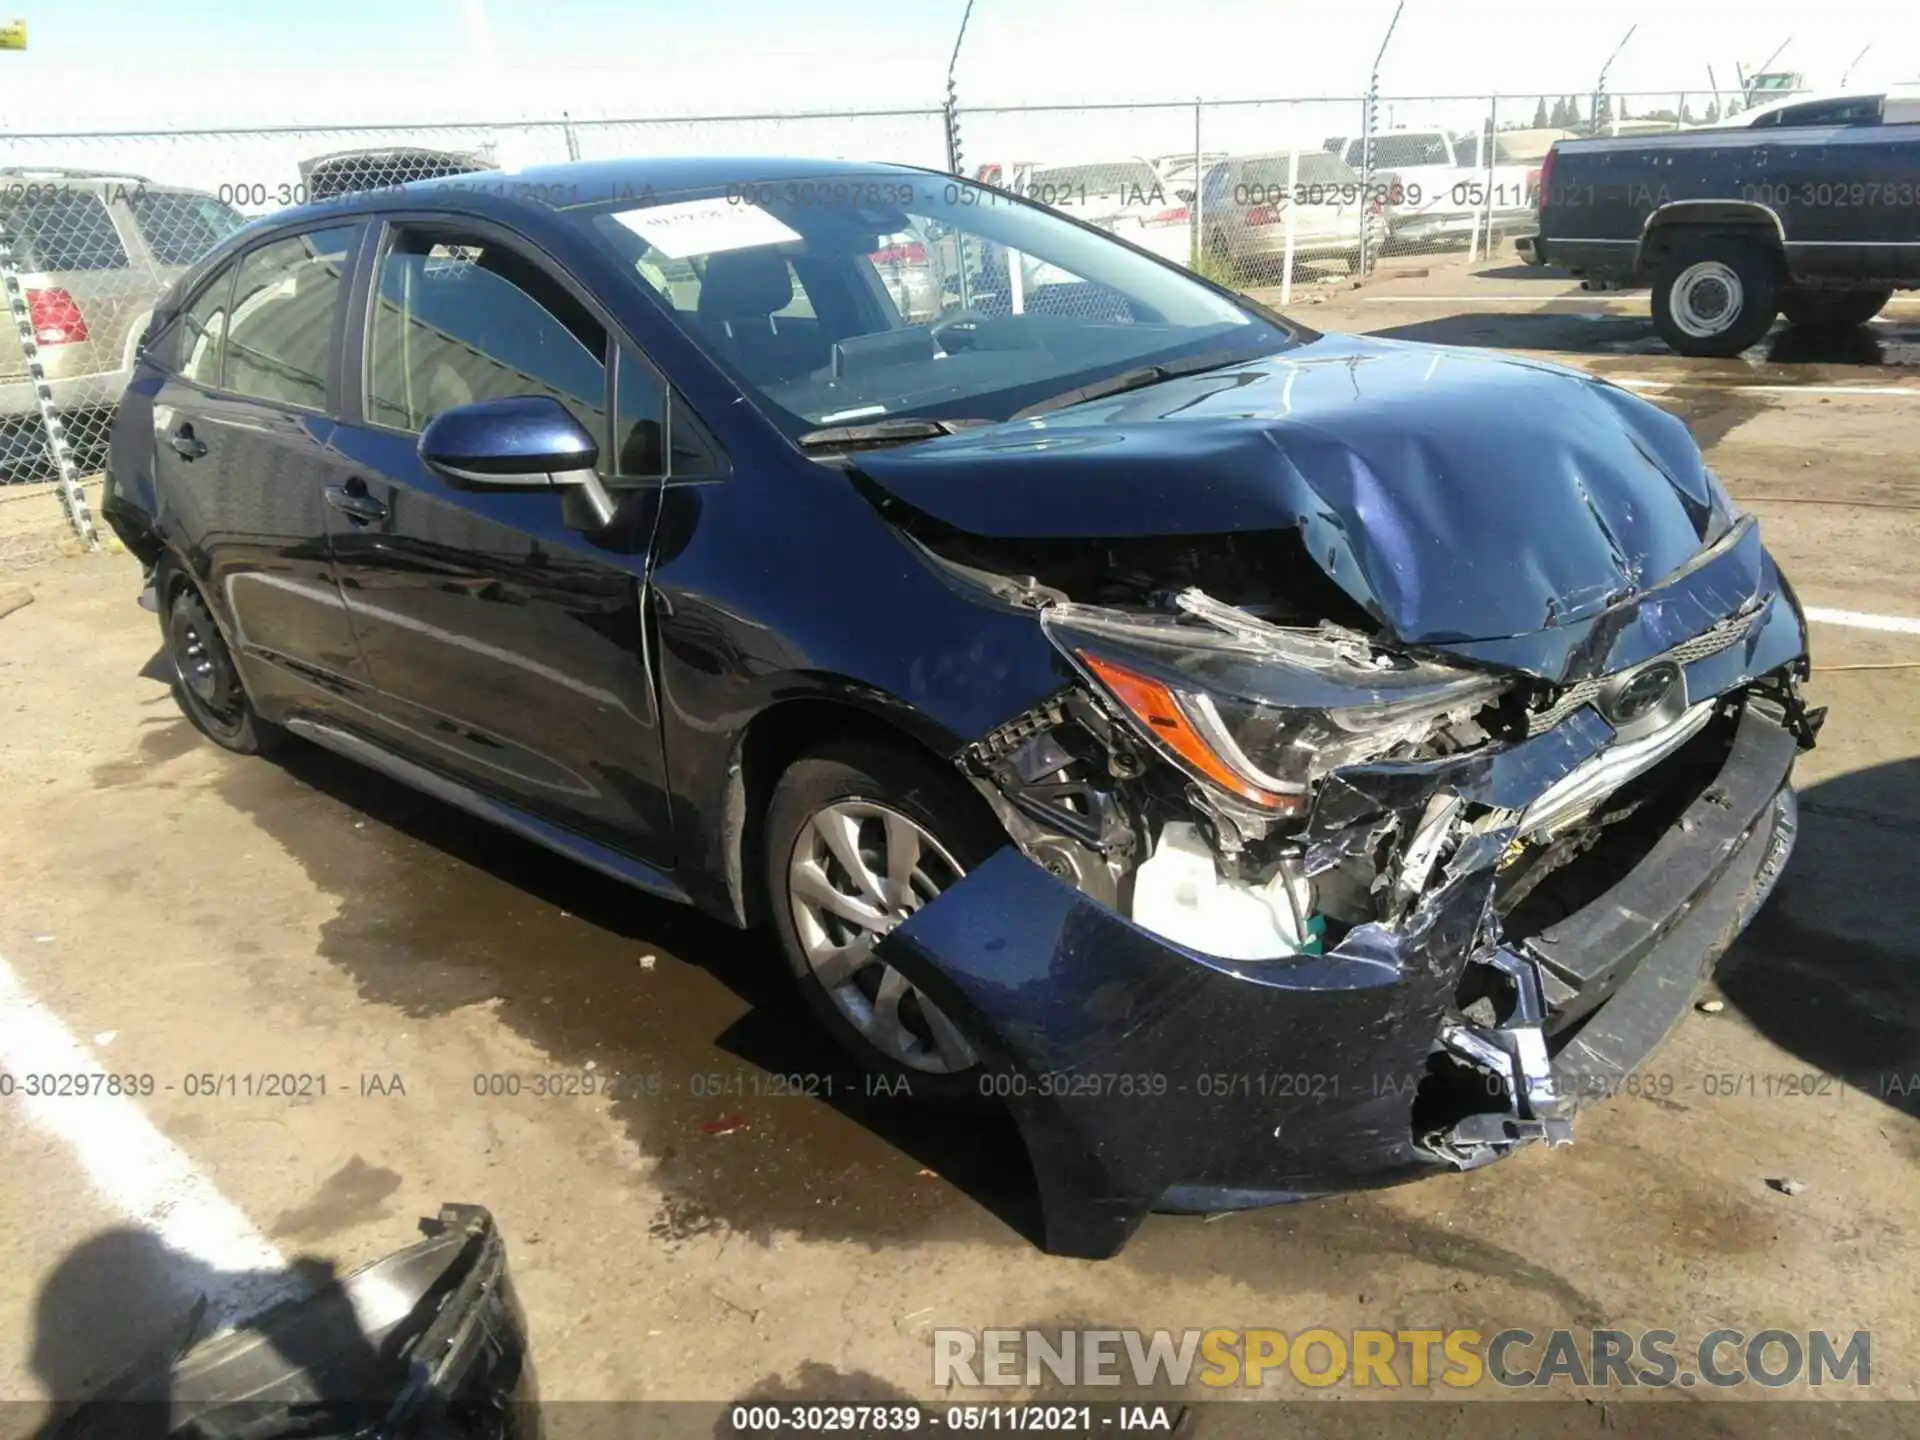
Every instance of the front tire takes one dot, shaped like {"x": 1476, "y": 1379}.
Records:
{"x": 1715, "y": 295}
{"x": 859, "y": 836}
{"x": 207, "y": 684}
{"x": 1833, "y": 309}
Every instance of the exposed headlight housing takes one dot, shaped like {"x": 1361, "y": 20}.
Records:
{"x": 1259, "y": 711}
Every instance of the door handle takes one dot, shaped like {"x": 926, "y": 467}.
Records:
{"x": 184, "y": 444}
{"x": 353, "y": 501}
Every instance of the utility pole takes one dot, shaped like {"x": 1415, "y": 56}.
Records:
{"x": 1600, "y": 85}
{"x": 1855, "y": 61}
{"x": 953, "y": 96}
{"x": 1369, "y": 116}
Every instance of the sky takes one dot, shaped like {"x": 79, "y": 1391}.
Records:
{"x": 119, "y": 64}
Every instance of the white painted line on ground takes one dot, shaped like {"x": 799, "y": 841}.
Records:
{"x": 1904, "y": 392}
{"x": 1861, "y": 620}
{"x": 135, "y": 1169}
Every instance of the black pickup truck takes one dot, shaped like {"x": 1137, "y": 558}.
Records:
{"x": 1732, "y": 227}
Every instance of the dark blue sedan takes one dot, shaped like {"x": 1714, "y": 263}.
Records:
{"x": 1266, "y": 762}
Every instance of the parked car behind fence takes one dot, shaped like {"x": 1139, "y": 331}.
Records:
{"x": 1245, "y": 201}
{"x": 91, "y": 251}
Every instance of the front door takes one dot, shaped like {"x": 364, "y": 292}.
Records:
{"x": 507, "y": 646}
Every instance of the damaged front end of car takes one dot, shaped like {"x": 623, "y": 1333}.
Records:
{"x": 1295, "y": 906}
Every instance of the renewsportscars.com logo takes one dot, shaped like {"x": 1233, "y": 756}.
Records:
{"x": 1395, "y": 1359}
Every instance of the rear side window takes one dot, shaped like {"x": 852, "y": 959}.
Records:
{"x": 1401, "y": 152}
{"x": 55, "y": 227}
{"x": 1263, "y": 179}
{"x": 178, "y": 228}
{"x": 1126, "y": 182}
{"x": 1855, "y": 110}
{"x": 280, "y": 336}
{"x": 458, "y": 318}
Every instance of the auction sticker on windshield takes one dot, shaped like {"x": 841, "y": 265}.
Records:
{"x": 705, "y": 227}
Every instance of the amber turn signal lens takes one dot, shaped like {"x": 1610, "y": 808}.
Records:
{"x": 1155, "y": 706}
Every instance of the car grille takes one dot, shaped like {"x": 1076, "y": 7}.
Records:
{"x": 1721, "y": 636}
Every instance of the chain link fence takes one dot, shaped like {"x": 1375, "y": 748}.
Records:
{"x": 1262, "y": 194}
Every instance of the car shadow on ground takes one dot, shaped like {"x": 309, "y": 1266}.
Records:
{"x": 1830, "y": 969}
{"x": 1524, "y": 271}
{"x": 737, "y": 1092}
{"x": 760, "y": 1125}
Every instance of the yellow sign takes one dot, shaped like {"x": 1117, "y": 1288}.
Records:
{"x": 13, "y": 36}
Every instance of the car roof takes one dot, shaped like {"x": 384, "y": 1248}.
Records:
{"x": 546, "y": 189}
{"x": 1900, "y": 102}
{"x": 78, "y": 179}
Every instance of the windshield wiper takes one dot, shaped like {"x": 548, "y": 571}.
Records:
{"x": 1137, "y": 378}
{"x": 897, "y": 430}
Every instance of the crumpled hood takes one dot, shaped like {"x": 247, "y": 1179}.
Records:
{"x": 1459, "y": 495}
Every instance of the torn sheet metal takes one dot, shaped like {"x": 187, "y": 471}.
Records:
{"x": 1250, "y": 1082}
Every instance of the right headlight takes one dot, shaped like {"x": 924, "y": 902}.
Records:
{"x": 1256, "y": 710}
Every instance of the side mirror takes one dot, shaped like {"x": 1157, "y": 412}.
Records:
{"x": 524, "y": 442}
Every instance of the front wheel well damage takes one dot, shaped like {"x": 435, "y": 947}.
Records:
{"x": 775, "y": 739}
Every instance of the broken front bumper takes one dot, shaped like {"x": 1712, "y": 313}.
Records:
{"x": 1145, "y": 1075}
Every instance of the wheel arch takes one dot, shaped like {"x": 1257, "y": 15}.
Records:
{"x": 1678, "y": 219}
{"x": 778, "y": 735}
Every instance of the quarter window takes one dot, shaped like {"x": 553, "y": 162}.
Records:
{"x": 645, "y": 410}
{"x": 459, "y": 318}
{"x": 203, "y": 332}
{"x": 280, "y": 334}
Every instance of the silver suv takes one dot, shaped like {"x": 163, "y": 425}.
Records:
{"x": 94, "y": 250}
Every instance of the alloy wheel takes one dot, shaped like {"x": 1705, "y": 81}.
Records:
{"x": 858, "y": 869}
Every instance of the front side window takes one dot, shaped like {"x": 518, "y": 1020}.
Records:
{"x": 203, "y": 332}
{"x": 853, "y": 296}
{"x": 280, "y": 336}
{"x": 59, "y": 227}
{"x": 459, "y": 318}
{"x": 178, "y": 226}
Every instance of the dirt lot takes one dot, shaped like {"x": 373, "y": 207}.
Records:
{"x": 184, "y": 913}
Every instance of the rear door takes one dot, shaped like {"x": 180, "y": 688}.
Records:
{"x": 508, "y": 645}
{"x": 242, "y": 426}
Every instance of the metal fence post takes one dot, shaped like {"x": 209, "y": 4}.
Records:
{"x": 1489, "y": 138}
{"x": 1366, "y": 172}
{"x": 952, "y": 118}
{"x": 1197, "y": 231}
{"x": 1293, "y": 218}
{"x": 73, "y": 497}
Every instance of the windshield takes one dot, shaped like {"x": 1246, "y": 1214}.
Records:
{"x": 852, "y": 298}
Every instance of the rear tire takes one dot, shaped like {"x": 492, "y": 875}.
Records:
{"x": 207, "y": 684}
{"x": 1833, "y": 309}
{"x": 905, "y": 826}
{"x": 1715, "y": 295}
